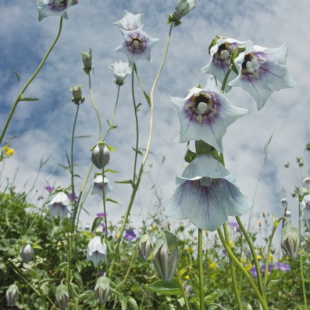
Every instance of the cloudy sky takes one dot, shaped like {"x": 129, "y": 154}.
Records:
{"x": 45, "y": 126}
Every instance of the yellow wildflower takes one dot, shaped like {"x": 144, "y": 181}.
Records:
{"x": 259, "y": 257}
{"x": 153, "y": 228}
{"x": 9, "y": 152}
{"x": 186, "y": 277}
{"x": 243, "y": 261}
{"x": 249, "y": 267}
{"x": 271, "y": 258}
{"x": 5, "y": 148}
{"x": 212, "y": 265}
{"x": 231, "y": 244}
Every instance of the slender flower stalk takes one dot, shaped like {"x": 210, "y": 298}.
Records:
{"x": 182, "y": 290}
{"x": 200, "y": 269}
{"x": 20, "y": 95}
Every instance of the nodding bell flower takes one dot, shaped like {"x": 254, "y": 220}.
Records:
{"x": 59, "y": 205}
{"x": 182, "y": 8}
{"x": 120, "y": 70}
{"x": 77, "y": 96}
{"x": 130, "y": 21}
{"x": 102, "y": 290}
{"x": 96, "y": 251}
{"x": 12, "y": 295}
{"x": 205, "y": 114}
{"x": 166, "y": 255}
{"x": 53, "y": 7}
{"x": 137, "y": 45}
{"x": 100, "y": 156}
{"x": 305, "y": 213}
{"x": 62, "y": 296}
{"x": 97, "y": 186}
{"x": 284, "y": 202}
{"x": 262, "y": 71}
{"x": 290, "y": 241}
{"x": 145, "y": 247}
{"x": 87, "y": 61}
{"x": 26, "y": 253}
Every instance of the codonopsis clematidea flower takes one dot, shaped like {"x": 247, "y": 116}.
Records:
{"x": 97, "y": 186}
{"x": 53, "y": 7}
{"x": 120, "y": 70}
{"x": 59, "y": 205}
{"x": 130, "y": 21}
{"x": 96, "y": 251}
{"x": 220, "y": 51}
{"x": 305, "y": 213}
{"x": 262, "y": 71}
{"x": 205, "y": 115}
{"x": 137, "y": 45}
{"x": 206, "y": 195}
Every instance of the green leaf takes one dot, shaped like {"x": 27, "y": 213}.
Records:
{"x": 124, "y": 182}
{"x": 81, "y": 137}
{"x": 113, "y": 201}
{"x": 111, "y": 171}
{"x": 29, "y": 99}
{"x": 124, "y": 302}
{"x": 137, "y": 151}
{"x": 165, "y": 288}
{"x": 132, "y": 303}
{"x": 96, "y": 223}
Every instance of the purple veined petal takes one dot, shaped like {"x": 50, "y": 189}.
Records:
{"x": 282, "y": 266}
{"x": 130, "y": 235}
{"x": 97, "y": 186}
{"x": 205, "y": 115}
{"x": 130, "y": 21}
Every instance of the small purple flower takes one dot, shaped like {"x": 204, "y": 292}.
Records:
{"x": 270, "y": 267}
{"x": 49, "y": 188}
{"x": 75, "y": 197}
{"x": 233, "y": 224}
{"x": 253, "y": 272}
{"x": 130, "y": 235}
{"x": 59, "y": 205}
{"x": 100, "y": 215}
{"x": 224, "y": 253}
{"x": 282, "y": 266}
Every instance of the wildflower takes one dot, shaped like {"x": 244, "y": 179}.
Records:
{"x": 253, "y": 271}
{"x": 130, "y": 21}
{"x": 145, "y": 247}
{"x": 96, "y": 251}
{"x": 77, "y": 96}
{"x": 102, "y": 290}
{"x": 12, "y": 295}
{"x": 206, "y": 195}
{"x": 87, "y": 61}
{"x": 234, "y": 225}
{"x": 120, "y": 70}
{"x": 49, "y": 188}
{"x": 62, "y": 296}
{"x": 130, "y": 235}
{"x": 59, "y": 205}
{"x": 282, "y": 266}
{"x": 26, "y": 253}
{"x": 290, "y": 241}
{"x": 221, "y": 50}
{"x": 97, "y": 187}
{"x": 262, "y": 71}
{"x": 249, "y": 267}
{"x": 137, "y": 45}
{"x": 70, "y": 197}
{"x": 100, "y": 156}
{"x": 166, "y": 255}
{"x": 205, "y": 115}
{"x": 259, "y": 257}
{"x": 101, "y": 214}
{"x": 212, "y": 265}
{"x": 305, "y": 204}
{"x": 284, "y": 202}
{"x": 9, "y": 152}
{"x": 182, "y": 8}
{"x": 270, "y": 267}
{"x": 53, "y": 7}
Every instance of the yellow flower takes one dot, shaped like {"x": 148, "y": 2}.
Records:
{"x": 9, "y": 152}
{"x": 186, "y": 277}
{"x": 243, "y": 261}
{"x": 212, "y": 265}
{"x": 5, "y": 148}
{"x": 249, "y": 267}
{"x": 190, "y": 250}
{"x": 153, "y": 228}
{"x": 271, "y": 258}
{"x": 231, "y": 244}
{"x": 259, "y": 257}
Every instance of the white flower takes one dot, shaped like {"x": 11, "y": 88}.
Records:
{"x": 97, "y": 186}
{"x": 130, "y": 21}
{"x": 96, "y": 251}
{"x": 262, "y": 71}
{"x": 120, "y": 70}
{"x": 26, "y": 253}
{"x": 59, "y": 205}
{"x": 137, "y": 45}
{"x": 183, "y": 7}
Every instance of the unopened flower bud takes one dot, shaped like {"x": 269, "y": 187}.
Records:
{"x": 300, "y": 161}
{"x": 284, "y": 202}
{"x": 288, "y": 214}
{"x": 12, "y": 295}
{"x": 87, "y": 61}
{"x": 290, "y": 241}
{"x": 26, "y": 253}
{"x": 145, "y": 247}
{"x": 182, "y": 8}
{"x": 100, "y": 156}
{"x": 102, "y": 289}
{"x": 62, "y": 296}
{"x": 166, "y": 255}
{"x": 287, "y": 164}
{"x": 77, "y": 96}
{"x": 308, "y": 147}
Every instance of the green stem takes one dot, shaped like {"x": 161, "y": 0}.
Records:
{"x": 230, "y": 253}
{"x": 225, "y": 79}
{"x": 105, "y": 219}
{"x": 128, "y": 270}
{"x": 20, "y": 95}
{"x": 182, "y": 290}
{"x": 200, "y": 268}
{"x": 232, "y": 270}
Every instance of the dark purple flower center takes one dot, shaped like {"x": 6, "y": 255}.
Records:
{"x": 136, "y": 43}
{"x": 58, "y": 5}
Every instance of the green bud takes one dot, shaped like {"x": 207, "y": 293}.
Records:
{"x": 26, "y": 253}
{"x": 12, "y": 295}
{"x": 100, "y": 156}
{"x": 290, "y": 241}
{"x": 87, "y": 61}
{"x": 77, "y": 96}
{"x": 145, "y": 247}
{"x": 102, "y": 289}
{"x": 62, "y": 296}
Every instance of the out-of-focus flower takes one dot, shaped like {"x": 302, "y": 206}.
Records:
{"x": 87, "y": 61}
{"x": 97, "y": 187}
{"x": 290, "y": 241}
{"x": 100, "y": 156}
{"x": 182, "y": 8}
{"x": 205, "y": 115}
{"x": 12, "y": 295}
{"x": 101, "y": 214}
{"x": 137, "y": 45}
{"x": 77, "y": 96}
{"x": 26, "y": 253}
{"x": 53, "y": 7}
{"x": 62, "y": 296}
{"x": 287, "y": 164}
{"x": 282, "y": 266}
{"x": 96, "y": 251}
{"x": 130, "y": 235}
{"x": 262, "y": 71}
{"x": 253, "y": 271}
{"x": 145, "y": 247}
{"x": 59, "y": 205}
{"x": 76, "y": 198}
{"x": 120, "y": 70}
{"x": 212, "y": 265}
{"x": 102, "y": 290}
{"x": 221, "y": 50}
{"x": 305, "y": 204}
{"x": 284, "y": 202}
{"x": 270, "y": 267}
{"x": 49, "y": 188}
{"x": 130, "y": 21}
{"x": 206, "y": 195}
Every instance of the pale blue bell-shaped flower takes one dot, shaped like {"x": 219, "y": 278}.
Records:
{"x": 59, "y": 205}
{"x": 96, "y": 251}
{"x": 130, "y": 21}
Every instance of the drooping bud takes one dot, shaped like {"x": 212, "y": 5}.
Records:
{"x": 77, "y": 96}
{"x": 308, "y": 147}
{"x": 87, "y": 61}
{"x": 12, "y": 295}
{"x": 166, "y": 255}
{"x": 290, "y": 241}
{"x": 62, "y": 296}
{"x": 145, "y": 247}
{"x": 284, "y": 202}
{"x": 102, "y": 290}
{"x": 182, "y": 8}
{"x": 287, "y": 164}
{"x": 26, "y": 253}
{"x": 100, "y": 156}
{"x": 288, "y": 214}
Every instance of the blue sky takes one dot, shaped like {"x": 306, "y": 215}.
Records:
{"x": 45, "y": 125}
